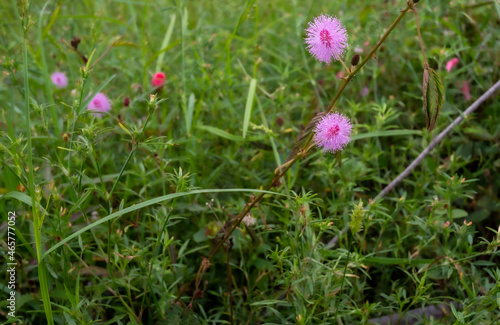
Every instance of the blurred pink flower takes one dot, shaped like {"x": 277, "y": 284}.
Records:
{"x": 158, "y": 80}
{"x": 451, "y": 64}
{"x": 59, "y": 79}
{"x": 465, "y": 90}
{"x": 365, "y": 91}
{"x": 100, "y": 103}
{"x": 333, "y": 132}
{"x": 326, "y": 38}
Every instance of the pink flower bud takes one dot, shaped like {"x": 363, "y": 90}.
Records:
{"x": 158, "y": 80}
{"x": 451, "y": 64}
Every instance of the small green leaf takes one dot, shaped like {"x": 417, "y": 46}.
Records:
{"x": 20, "y": 197}
{"x": 459, "y": 213}
{"x": 227, "y": 135}
{"x": 305, "y": 136}
{"x": 219, "y": 132}
{"x": 190, "y": 111}
{"x": 478, "y": 133}
{"x": 433, "y": 92}
{"x": 269, "y": 302}
{"x": 125, "y": 43}
{"x": 248, "y": 106}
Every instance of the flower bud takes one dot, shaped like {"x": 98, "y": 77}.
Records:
{"x": 355, "y": 60}
{"x": 74, "y": 42}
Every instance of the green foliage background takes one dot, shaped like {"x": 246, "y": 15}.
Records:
{"x": 415, "y": 249}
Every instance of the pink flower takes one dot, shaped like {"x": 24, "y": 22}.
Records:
{"x": 451, "y": 64}
{"x": 326, "y": 38}
{"x": 158, "y": 80}
{"x": 365, "y": 91}
{"x": 333, "y": 132}
{"x": 59, "y": 79}
{"x": 99, "y": 103}
{"x": 465, "y": 90}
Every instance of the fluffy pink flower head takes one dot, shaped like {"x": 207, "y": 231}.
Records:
{"x": 451, "y": 64}
{"x": 326, "y": 38}
{"x": 158, "y": 80}
{"x": 100, "y": 103}
{"x": 333, "y": 132}
{"x": 59, "y": 79}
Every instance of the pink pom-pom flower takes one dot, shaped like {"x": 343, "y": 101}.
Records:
{"x": 158, "y": 80}
{"x": 59, "y": 79}
{"x": 333, "y": 132}
{"x": 326, "y": 38}
{"x": 451, "y": 64}
{"x": 99, "y": 104}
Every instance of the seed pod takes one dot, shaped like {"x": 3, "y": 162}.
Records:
{"x": 355, "y": 60}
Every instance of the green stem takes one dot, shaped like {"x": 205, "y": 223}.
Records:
{"x": 135, "y": 145}
{"x": 37, "y": 221}
{"x": 426, "y": 64}
{"x": 45, "y": 73}
{"x": 345, "y": 67}
{"x": 343, "y": 276}
{"x": 121, "y": 172}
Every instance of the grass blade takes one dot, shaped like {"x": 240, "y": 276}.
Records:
{"x": 387, "y": 133}
{"x": 248, "y": 106}
{"x": 22, "y": 198}
{"x": 166, "y": 41}
{"x": 37, "y": 219}
{"x": 189, "y": 115}
{"x": 45, "y": 71}
{"x": 146, "y": 204}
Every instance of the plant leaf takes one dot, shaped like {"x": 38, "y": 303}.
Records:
{"x": 433, "y": 92}
{"x": 304, "y": 136}
{"x": 248, "y": 106}
{"x": 124, "y": 43}
{"x": 190, "y": 110}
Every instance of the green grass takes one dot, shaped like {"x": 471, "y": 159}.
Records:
{"x": 130, "y": 204}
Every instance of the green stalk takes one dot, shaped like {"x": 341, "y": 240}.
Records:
{"x": 37, "y": 220}
{"x": 45, "y": 73}
{"x": 109, "y": 196}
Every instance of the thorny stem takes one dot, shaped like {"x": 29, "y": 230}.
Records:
{"x": 203, "y": 266}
